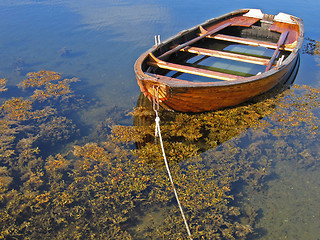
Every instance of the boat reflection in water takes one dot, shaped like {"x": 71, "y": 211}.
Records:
{"x": 198, "y": 132}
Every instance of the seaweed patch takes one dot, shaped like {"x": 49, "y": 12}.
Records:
{"x": 108, "y": 189}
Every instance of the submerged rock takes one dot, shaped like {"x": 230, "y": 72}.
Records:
{"x": 65, "y": 52}
{"x": 19, "y": 66}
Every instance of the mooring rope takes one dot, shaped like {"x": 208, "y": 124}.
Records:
{"x": 158, "y": 133}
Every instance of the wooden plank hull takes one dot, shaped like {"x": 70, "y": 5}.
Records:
{"x": 200, "y": 99}
{"x": 186, "y": 96}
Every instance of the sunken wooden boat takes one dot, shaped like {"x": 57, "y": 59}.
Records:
{"x": 222, "y": 62}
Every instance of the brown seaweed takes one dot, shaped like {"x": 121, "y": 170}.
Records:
{"x": 105, "y": 189}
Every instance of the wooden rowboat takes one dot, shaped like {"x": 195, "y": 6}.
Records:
{"x": 222, "y": 62}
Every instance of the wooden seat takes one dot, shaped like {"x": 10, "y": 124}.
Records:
{"x": 236, "y": 21}
{"x": 191, "y": 70}
{"x": 246, "y": 41}
{"x": 250, "y": 42}
{"x": 226, "y": 55}
{"x": 246, "y": 22}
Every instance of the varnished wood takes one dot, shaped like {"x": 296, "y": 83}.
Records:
{"x": 293, "y": 34}
{"x": 186, "y": 96}
{"x": 281, "y": 41}
{"x": 226, "y": 55}
{"x": 212, "y": 31}
{"x": 246, "y": 41}
{"x": 236, "y": 21}
{"x": 191, "y": 70}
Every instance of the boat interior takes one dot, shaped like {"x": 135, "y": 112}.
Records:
{"x": 231, "y": 48}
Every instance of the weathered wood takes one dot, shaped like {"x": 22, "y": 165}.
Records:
{"x": 177, "y": 48}
{"x": 226, "y": 55}
{"x": 281, "y": 41}
{"x": 236, "y": 21}
{"x": 293, "y": 32}
{"x": 191, "y": 70}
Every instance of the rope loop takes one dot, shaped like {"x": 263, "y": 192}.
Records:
{"x": 155, "y": 102}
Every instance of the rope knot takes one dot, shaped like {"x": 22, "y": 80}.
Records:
{"x": 157, "y": 129}
{"x": 157, "y": 120}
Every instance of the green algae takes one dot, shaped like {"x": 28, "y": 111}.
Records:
{"x": 103, "y": 188}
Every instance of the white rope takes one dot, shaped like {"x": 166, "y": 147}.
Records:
{"x": 158, "y": 133}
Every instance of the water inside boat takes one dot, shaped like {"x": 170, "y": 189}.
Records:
{"x": 223, "y": 65}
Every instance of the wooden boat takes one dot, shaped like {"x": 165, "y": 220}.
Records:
{"x": 222, "y": 62}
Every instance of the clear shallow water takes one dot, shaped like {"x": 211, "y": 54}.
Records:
{"x": 98, "y": 42}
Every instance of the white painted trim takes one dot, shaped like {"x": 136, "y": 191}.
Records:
{"x": 255, "y": 13}
{"x": 283, "y": 17}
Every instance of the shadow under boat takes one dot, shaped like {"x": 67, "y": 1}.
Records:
{"x": 146, "y": 118}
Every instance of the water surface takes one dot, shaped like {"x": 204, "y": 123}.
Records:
{"x": 98, "y": 42}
